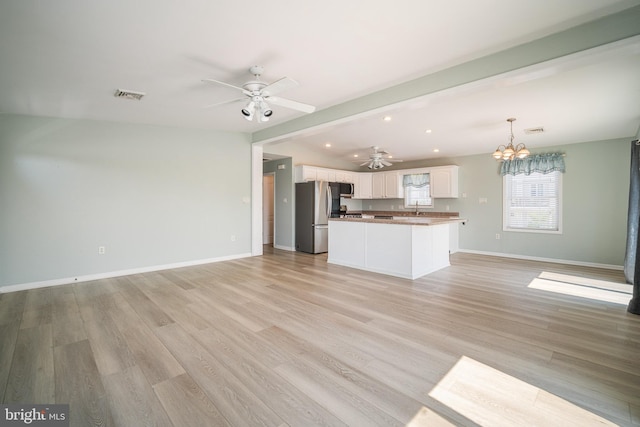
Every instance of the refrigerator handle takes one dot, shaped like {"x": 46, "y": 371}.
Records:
{"x": 329, "y": 201}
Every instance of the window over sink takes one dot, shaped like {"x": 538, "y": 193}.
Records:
{"x": 417, "y": 191}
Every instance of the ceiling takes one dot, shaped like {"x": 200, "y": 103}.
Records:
{"x": 67, "y": 58}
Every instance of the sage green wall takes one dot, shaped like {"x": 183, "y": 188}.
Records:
{"x": 302, "y": 156}
{"x": 595, "y": 201}
{"x": 284, "y": 203}
{"x": 151, "y": 195}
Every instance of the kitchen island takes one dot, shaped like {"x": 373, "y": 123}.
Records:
{"x": 403, "y": 246}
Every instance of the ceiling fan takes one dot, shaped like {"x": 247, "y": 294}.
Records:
{"x": 257, "y": 93}
{"x": 377, "y": 159}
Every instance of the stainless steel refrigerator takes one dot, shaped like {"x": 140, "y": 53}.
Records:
{"x": 316, "y": 202}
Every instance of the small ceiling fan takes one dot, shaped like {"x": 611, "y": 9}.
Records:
{"x": 258, "y": 93}
{"x": 377, "y": 159}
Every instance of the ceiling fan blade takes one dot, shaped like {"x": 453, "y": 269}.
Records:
{"x": 384, "y": 162}
{"x": 246, "y": 92}
{"x": 395, "y": 160}
{"x": 278, "y": 86}
{"x": 224, "y": 102}
{"x": 294, "y": 105}
{"x": 365, "y": 163}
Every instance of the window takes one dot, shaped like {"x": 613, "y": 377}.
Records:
{"x": 417, "y": 191}
{"x": 532, "y": 202}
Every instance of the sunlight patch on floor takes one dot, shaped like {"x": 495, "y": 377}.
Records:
{"x": 601, "y": 290}
{"x": 490, "y": 397}
{"x": 427, "y": 418}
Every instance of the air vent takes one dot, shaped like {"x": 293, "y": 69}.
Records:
{"x": 128, "y": 94}
{"x": 531, "y": 131}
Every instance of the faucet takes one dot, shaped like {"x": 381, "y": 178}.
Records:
{"x": 417, "y": 208}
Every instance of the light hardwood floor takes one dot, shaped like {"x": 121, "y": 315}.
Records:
{"x": 286, "y": 339}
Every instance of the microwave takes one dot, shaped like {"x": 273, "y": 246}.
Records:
{"x": 346, "y": 189}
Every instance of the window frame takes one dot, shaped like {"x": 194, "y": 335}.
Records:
{"x": 505, "y": 208}
{"x": 407, "y": 191}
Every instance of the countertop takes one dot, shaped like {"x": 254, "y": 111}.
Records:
{"x": 405, "y": 217}
{"x": 404, "y": 220}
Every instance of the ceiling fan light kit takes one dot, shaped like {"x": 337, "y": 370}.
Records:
{"x": 376, "y": 161}
{"x": 259, "y": 92}
{"x": 510, "y": 152}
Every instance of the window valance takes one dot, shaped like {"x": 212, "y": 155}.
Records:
{"x": 417, "y": 180}
{"x": 542, "y": 163}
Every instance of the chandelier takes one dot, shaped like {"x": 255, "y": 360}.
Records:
{"x": 510, "y": 152}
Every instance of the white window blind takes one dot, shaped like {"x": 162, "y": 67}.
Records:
{"x": 532, "y": 202}
{"x": 420, "y": 196}
{"x": 417, "y": 190}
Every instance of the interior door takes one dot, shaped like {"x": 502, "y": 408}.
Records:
{"x": 267, "y": 208}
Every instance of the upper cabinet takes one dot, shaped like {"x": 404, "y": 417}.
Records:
{"x": 305, "y": 173}
{"x": 393, "y": 185}
{"x": 363, "y": 188}
{"x": 384, "y": 185}
{"x": 346, "y": 176}
{"x": 377, "y": 186}
{"x": 444, "y": 182}
{"x": 324, "y": 174}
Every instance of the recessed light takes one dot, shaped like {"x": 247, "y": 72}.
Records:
{"x": 387, "y": 118}
{"x": 355, "y": 155}
{"x": 427, "y": 131}
{"x": 327, "y": 145}
{"x": 390, "y": 156}
{"x": 436, "y": 150}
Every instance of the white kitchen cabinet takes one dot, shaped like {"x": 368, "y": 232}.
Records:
{"x": 393, "y": 185}
{"x": 304, "y": 173}
{"x": 322, "y": 174}
{"x": 345, "y": 176}
{"x": 401, "y": 250}
{"x": 362, "y": 189}
{"x": 444, "y": 182}
{"x": 377, "y": 185}
{"x": 386, "y": 185}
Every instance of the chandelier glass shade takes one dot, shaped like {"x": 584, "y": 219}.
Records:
{"x": 510, "y": 152}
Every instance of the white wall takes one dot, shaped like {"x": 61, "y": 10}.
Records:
{"x": 152, "y": 195}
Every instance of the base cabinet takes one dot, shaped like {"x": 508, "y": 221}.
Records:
{"x": 417, "y": 250}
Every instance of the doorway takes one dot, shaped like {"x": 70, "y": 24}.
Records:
{"x": 268, "y": 208}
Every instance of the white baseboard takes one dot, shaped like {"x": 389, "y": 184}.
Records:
{"x": 107, "y": 275}
{"x": 555, "y": 260}
{"x": 285, "y": 248}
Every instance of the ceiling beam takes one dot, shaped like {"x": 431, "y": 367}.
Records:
{"x": 603, "y": 31}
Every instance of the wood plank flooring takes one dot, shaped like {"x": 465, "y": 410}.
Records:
{"x": 286, "y": 339}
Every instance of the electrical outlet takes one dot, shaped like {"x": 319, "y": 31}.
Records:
{"x": 233, "y": 238}
{"x": 101, "y": 250}
{"x": 497, "y": 236}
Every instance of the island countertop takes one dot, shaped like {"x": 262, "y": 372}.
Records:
{"x": 403, "y": 220}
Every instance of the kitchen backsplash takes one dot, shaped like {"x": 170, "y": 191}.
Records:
{"x": 385, "y": 205}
